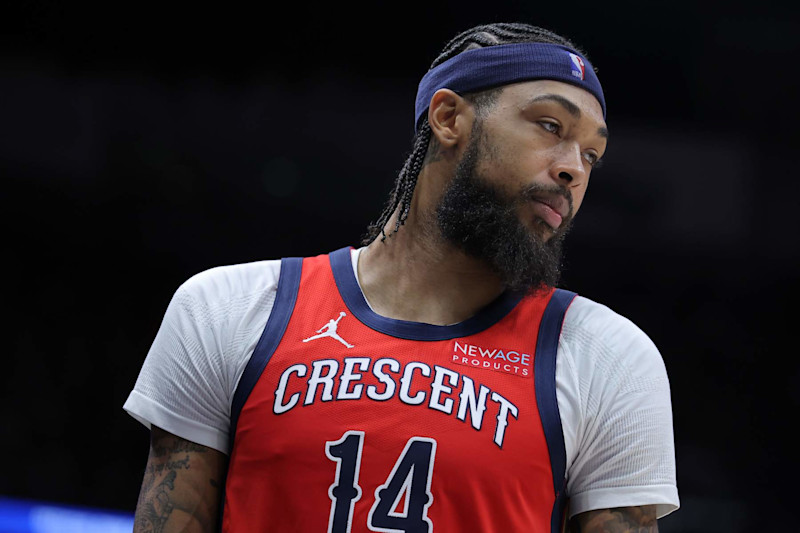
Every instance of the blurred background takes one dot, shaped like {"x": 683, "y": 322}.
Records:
{"x": 143, "y": 143}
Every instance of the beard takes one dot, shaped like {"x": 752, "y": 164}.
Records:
{"x": 483, "y": 221}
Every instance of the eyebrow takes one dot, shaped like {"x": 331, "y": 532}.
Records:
{"x": 569, "y": 105}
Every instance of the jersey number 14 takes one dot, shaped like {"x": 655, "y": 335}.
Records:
{"x": 409, "y": 482}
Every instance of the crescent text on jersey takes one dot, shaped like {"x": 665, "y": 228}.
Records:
{"x": 328, "y": 380}
{"x": 506, "y": 361}
{"x": 329, "y": 330}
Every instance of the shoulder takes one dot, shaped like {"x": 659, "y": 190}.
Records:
{"x": 223, "y": 283}
{"x": 587, "y": 321}
{"x": 208, "y": 332}
{"x": 223, "y": 309}
{"x": 595, "y": 336}
{"x": 614, "y": 400}
{"x": 224, "y": 294}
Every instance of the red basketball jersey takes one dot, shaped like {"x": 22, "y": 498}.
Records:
{"x": 346, "y": 421}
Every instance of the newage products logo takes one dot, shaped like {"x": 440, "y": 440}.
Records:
{"x": 497, "y": 359}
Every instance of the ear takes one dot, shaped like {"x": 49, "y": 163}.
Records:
{"x": 450, "y": 118}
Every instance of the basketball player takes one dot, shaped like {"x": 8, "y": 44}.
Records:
{"x": 433, "y": 379}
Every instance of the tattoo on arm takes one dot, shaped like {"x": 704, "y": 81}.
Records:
{"x": 177, "y": 485}
{"x": 620, "y": 520}
{"x": 153, "y": 511}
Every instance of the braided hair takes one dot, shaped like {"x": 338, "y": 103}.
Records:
{"x": 477, "y": 37}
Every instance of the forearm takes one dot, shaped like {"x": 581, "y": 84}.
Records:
{"x": 621, "y": 520}
{"x": 181, "y": 487}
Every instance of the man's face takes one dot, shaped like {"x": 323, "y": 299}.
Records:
{"x": 522, "y": 178}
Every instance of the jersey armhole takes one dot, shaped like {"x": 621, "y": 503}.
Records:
{"x": 285, "y": 299}
{"x": 546, "y": 400}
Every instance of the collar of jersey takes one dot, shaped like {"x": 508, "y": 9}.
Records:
{"x": 350, "y": 291}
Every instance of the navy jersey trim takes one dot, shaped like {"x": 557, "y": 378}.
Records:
{"x": 545, "y": 383}
{"x": 282, "y": 308}
{"x": 346, "y": 282}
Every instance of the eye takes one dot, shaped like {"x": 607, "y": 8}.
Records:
{"x": 552, "y": 127}
{"x": 592, "y": 158}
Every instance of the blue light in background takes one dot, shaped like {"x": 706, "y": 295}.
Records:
{"x": 20, "y": 516}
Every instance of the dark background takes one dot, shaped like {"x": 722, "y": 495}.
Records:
{"x": 143, "y": 143}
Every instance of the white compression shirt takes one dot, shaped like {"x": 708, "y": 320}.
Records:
{"x": 611, "y": 385}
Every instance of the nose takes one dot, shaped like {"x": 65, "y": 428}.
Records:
{"x": 568, "y": 167}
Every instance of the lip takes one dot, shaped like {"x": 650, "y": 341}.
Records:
{"x": 554, "y": 209}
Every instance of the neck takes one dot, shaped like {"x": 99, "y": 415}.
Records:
{"x": 413, "y": 275}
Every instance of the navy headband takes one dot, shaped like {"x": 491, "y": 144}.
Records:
{"x": 492, "y": 66}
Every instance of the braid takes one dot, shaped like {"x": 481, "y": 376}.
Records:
{"x": 403, "y": 187}
{"x": 499, "y": 33}
{"x": 477, "y": 37}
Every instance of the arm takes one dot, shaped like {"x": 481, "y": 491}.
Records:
{"x": 620, "y": 520}
{"x": 615, "y": 405}
{"x": 181, "y": 486}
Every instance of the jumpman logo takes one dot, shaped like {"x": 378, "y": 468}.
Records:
{"x": 329, "y": 330}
